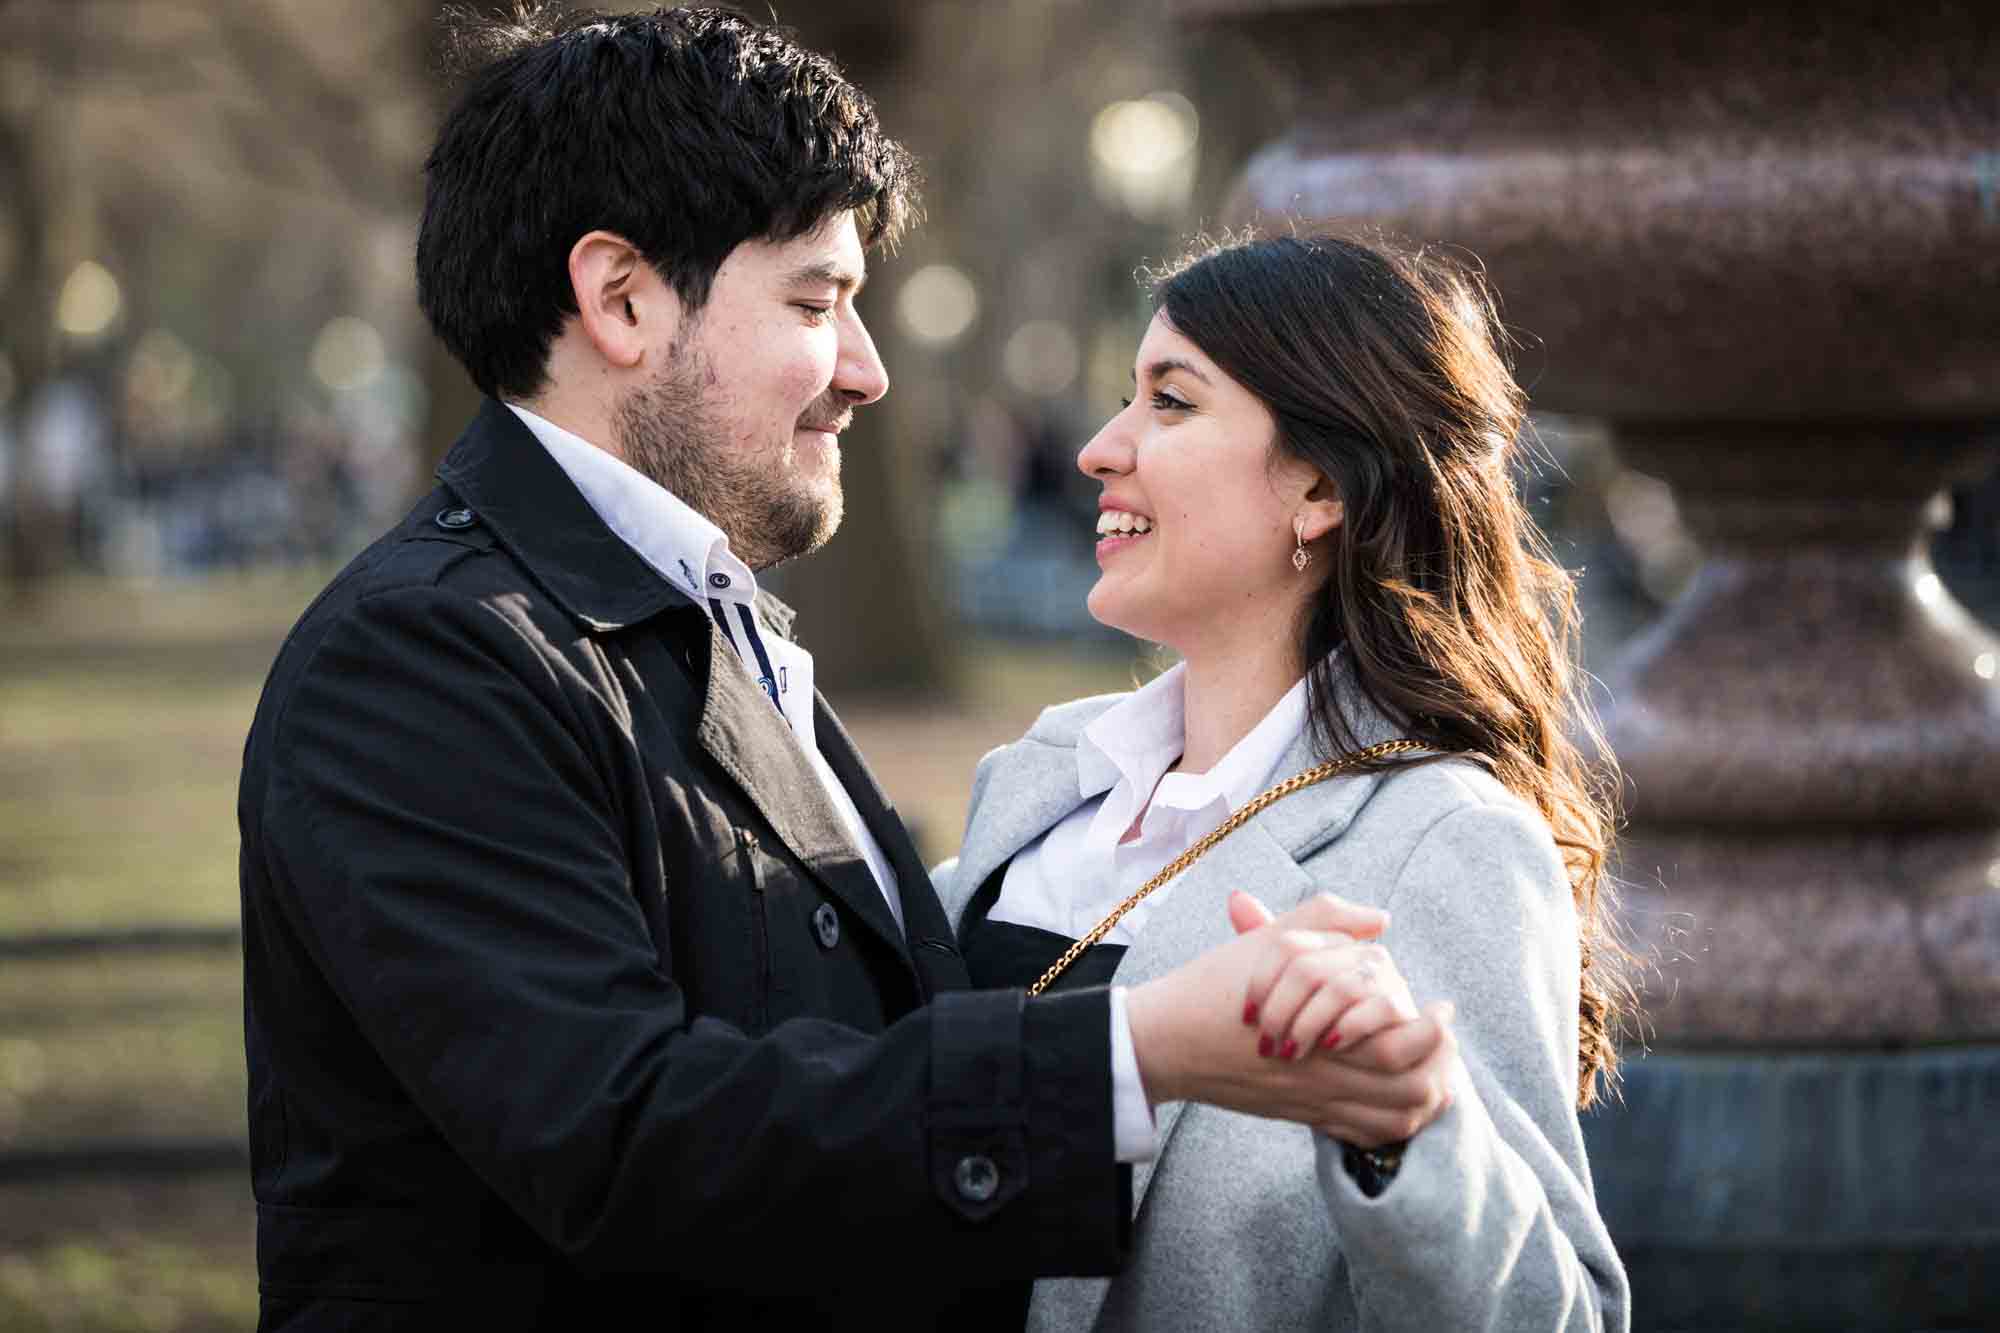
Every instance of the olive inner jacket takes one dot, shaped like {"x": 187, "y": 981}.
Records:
{"x": 565, "y": 989}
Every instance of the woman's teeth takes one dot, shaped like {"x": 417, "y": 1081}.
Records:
{"x": 1117, "y": 523}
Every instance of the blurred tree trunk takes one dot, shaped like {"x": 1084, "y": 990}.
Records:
{"x": 868, "y": 610}
{"x": 450, "y": 396}
{"x": 29, "y": 339}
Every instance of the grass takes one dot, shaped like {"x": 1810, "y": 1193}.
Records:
{"x": 123, "y": 709}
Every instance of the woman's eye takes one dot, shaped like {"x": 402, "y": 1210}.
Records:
{"x": 1166, "y": 402}
{"x": 1124, "y": 402}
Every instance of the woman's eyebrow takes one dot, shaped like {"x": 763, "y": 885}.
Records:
{"x": 826, "y": 272}
{"x": 1166, "y": 365}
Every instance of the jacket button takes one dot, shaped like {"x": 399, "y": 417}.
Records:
{"x": 453, "y": 519}
{"x": 976, "y": 1177}
{"x": 826, "y": 923}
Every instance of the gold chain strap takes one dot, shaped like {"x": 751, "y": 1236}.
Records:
{"x": 1249, "y": 811}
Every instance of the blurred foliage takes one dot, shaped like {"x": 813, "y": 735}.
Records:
{"x": 162, "y": 1257}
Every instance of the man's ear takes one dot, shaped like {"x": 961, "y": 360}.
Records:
{"x": 620, "y": 301}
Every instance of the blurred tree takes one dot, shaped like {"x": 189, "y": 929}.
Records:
{"x": 868, "y": 611}
{"x": 214, "y": 140}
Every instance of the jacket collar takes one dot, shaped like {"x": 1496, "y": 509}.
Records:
{"x": 502, "y": 473}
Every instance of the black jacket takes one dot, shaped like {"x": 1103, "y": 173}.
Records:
{"x": 565, "y": 990}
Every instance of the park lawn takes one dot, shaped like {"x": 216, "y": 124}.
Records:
{"x": 123, "y": 709}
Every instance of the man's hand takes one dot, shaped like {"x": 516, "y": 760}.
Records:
{"x": 1187, "y": 1027}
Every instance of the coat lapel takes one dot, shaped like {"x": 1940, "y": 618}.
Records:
{"x": 1024, "y": 789}
{"x": 751, "y": 741}
{"x": 1195, "y": 919}
{"x": 924, "y": 922}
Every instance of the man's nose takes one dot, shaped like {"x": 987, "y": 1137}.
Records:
{"x": 1109, "y": 453}
{"x": 859, "y": 377}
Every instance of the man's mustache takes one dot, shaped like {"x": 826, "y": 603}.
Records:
{"x": 830, "y": 413}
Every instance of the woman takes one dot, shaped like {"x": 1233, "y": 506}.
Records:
{"x": 1309, "y": 499}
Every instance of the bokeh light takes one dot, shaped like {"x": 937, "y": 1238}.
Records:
{"x": 347, "y": 354}
{"x": 161, "y": 371}
{"x": 1041, "y": 358}
{"x": 89, "y": 302}
{"x": 937, "y": 305}
{"x": 1143, "y": 153}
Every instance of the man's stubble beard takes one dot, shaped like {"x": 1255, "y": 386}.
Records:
{"x": 671, "y": 433}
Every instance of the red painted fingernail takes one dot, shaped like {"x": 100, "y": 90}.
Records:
{"x": 1249, "y": 1013}
{"x": 1288, "y": 1050}
{"x": 1331, "y": 1040}
{"x": 1264, "y": 1044}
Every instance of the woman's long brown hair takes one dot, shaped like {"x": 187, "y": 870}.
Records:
{"x": 1384, "y": 368}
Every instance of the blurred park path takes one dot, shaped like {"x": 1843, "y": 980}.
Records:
{"x": 123, "y": 708}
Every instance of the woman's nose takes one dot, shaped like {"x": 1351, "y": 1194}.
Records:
{"x": 1109, "y": 453}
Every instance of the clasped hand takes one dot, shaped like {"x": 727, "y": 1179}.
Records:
{"x": 1302, "y": 1017}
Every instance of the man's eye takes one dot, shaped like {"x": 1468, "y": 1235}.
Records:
{"x": 1124, "y": 402}
{"x": 815, "y": 314}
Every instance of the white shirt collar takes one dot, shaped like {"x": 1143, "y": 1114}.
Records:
{"x": 1127, "y": 749}
{"x": 687, "y": 549}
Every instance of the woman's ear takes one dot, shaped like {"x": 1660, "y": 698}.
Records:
{"x": 620, "y": 299}
{"x": 1319, "y": 510}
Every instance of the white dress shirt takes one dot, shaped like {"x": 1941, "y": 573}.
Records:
{"x": 693, "y": 554}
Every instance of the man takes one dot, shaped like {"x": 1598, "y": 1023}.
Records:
{"x": 588, "y": 971}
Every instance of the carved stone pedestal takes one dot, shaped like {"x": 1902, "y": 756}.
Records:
{"x": 1763, "y": 242}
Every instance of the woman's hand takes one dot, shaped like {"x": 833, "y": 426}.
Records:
{"x": 1347, "y": 995}
{"x": 1331, "y": 992}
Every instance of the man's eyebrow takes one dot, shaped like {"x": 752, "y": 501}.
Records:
{"x": 1166, "y": 365}
{"x": 828, "y": 273}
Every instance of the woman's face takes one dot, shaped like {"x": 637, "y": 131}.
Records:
{"x": 1195, "y": 520}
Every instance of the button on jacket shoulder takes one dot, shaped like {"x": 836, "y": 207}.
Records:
{"x": 566, "y": 988}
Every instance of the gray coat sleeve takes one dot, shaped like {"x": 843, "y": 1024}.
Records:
{"x": 1491, "y": 1223}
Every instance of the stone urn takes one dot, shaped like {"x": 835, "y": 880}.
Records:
{"x": 1762, "y": 242}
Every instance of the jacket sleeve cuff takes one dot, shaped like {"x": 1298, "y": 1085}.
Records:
{"x": 1021, "y": 1127}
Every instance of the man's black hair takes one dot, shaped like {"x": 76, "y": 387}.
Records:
{"x": 686, "y": 131}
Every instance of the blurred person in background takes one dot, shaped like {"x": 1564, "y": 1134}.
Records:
{"x": 1309, "y": 499}
{"x": 589, "y": 973}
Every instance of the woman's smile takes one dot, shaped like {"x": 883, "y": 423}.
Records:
{"x": 1118, "y": 529}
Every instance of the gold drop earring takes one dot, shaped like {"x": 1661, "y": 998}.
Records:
{"x": 1300, "y": 557}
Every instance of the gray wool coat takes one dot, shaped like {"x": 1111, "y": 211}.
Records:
{"x": 1244, "y": 1223}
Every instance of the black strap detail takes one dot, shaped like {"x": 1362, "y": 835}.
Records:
{"x": 769, "y": 678}
{"x": 722, "y": 619}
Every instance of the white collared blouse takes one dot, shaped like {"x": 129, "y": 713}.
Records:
{"x": 1071, "y": 877}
